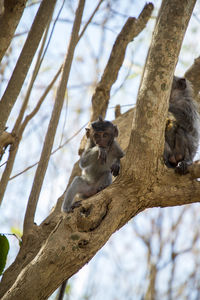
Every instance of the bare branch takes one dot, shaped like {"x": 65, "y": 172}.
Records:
{"x": 193, "y": 75}
{"x": 101, "y": 96}
{"x": 19, "y": 74}
{"x": 9, "y": 20}
{"x": 130, "y": 30}
{"x": 19, "y": 128}
{"x": 90, "y": 19}
{"x": 49, "y": 139}
{"x": 58, "y": 148}
{"x": 117, "y": 111}
{"x": 5, "y": 139}
{"x": 194, "y": 169}
{"x": 30, "y": 86}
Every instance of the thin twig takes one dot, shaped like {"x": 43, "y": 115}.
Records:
{"x": 53, "y": 152}
{"x": 90, "y": 19}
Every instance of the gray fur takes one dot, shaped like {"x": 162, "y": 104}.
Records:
{"x": 97, "y": 164}
{"x": 182, "y": 130}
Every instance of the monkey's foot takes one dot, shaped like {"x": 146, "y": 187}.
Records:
{"x": 66, "y": 210}
{"x": 182, "y": 168}
{"x": 76, "y": 204}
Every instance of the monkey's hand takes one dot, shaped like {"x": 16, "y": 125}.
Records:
{"x": 182, "y": 168}
{"x": 102, "y": 155}
{"x": 115, "y": 169}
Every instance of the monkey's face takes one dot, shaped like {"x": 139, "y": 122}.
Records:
{"x": 179, "y": 86}
{"x": 103, "y": 138}
{"x": 102, "y": 133}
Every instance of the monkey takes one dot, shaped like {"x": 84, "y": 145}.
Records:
{"x": 99, "y": 161}
{"x": 182, "y": 127}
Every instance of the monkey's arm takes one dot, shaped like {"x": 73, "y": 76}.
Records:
{"x": 89, "y": 156}
{"x": 102, "y": 156}
{"x": 115, "y": 168}
{"x": 118, "y": 154}
{"x": 185, "y": 114}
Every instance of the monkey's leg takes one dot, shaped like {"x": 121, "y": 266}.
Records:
{"x": 180, "y": 145}
{"x": 182, "y": 153}
{"x": 75, "y": 187}
{"x": 78, "y": 186}
{"x": 182, "y": 166}
{"x": 169, "y": 158}
{"x": 104, "y": 181}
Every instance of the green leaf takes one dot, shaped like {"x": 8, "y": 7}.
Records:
{"x": 4, "y": 247}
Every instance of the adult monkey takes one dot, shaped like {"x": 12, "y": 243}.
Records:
{"x": 182, "y": 128}
{"x": 99, "y": 161}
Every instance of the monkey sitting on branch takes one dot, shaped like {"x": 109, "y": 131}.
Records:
{"x": 182, "y": 127}
{"x": 99, "y": 161}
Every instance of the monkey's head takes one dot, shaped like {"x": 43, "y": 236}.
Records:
{"x": 180, "y": 87}
{"x": 102, "y": 132}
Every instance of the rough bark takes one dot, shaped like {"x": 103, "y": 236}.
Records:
{"x": 13, "y": 10}
{"x": 78, "y": 236}
{"x": 68, "y": 241}
{"x": 193, "y": 75}
{"x": 5, "y": 139}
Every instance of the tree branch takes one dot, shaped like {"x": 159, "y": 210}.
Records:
{"x": 19, "y": 128}
{"x": 101, "y": 96}
{"x": 147, "y": 136}
{"x": 130, "y": 30}
{"x": 12, "y": 154}
{"x": 49, "y": 139}
{"x": 194, "y": 170}
{"x": 13, "y": 11}
{"x": 21, "y": 69}
{"x": 193, "y": 75}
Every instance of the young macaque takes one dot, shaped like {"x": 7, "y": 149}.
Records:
{"x": 99, "y": 161}
{"x": 182, "y": 127}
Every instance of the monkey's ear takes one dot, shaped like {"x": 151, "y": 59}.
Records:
{"x": 87, "y": 132}
{"x": 116, "y": 132}
{"x": 181, "y": 84}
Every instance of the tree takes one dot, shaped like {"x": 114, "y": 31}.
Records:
{"x": 57, "y": 248}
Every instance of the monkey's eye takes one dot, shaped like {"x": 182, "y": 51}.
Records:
{"x": 105, "y": 135}
{"x": 97, "y": 136}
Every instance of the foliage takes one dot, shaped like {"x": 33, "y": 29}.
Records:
{"x": 4, "y": 248}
